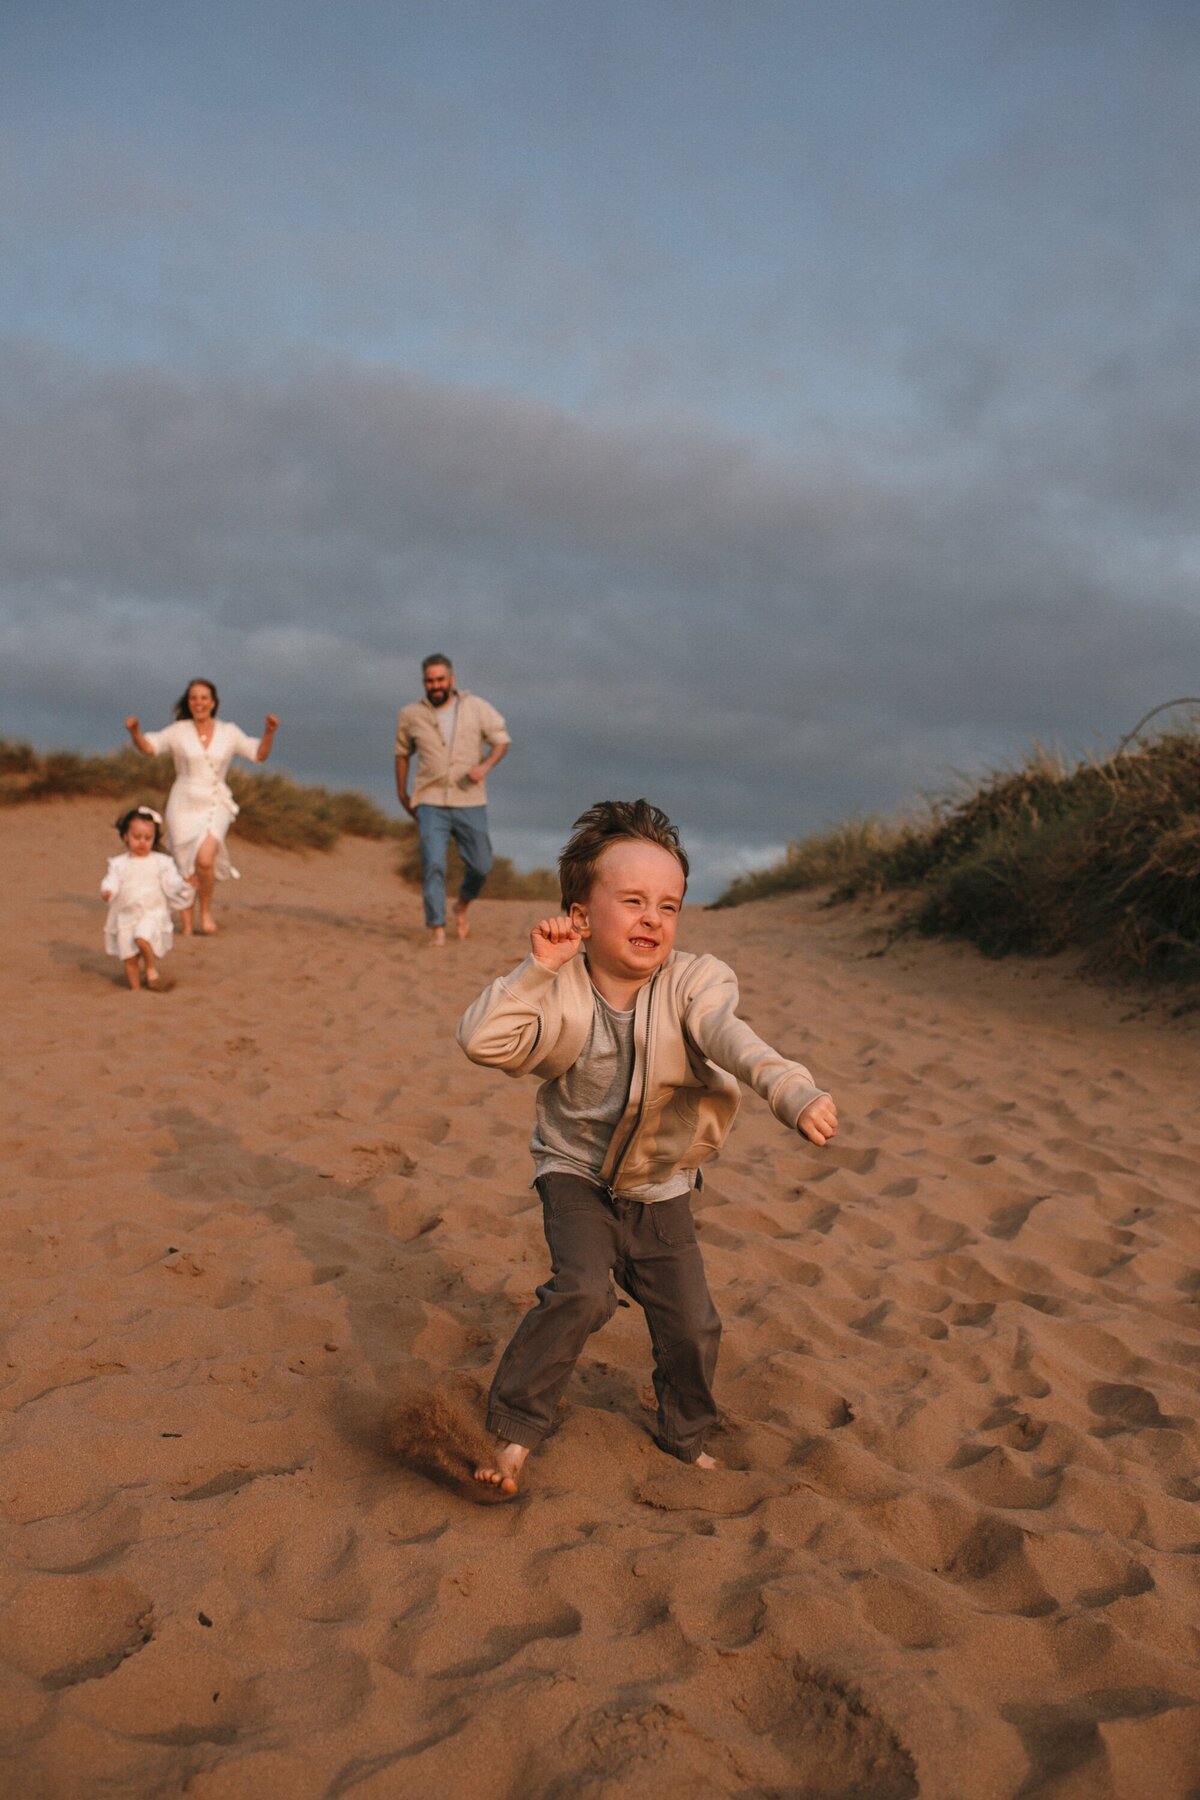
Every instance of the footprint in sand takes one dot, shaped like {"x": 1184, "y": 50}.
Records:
{"x": 1007, "y": 1221}
{"x": 1021, "y": 1431}
{"x": 78, "y": 1543}
{"x": 821, "y": 1218}
{"x": 373, "y": 1160}
{"x": 1064, "y": 1741}
{"x": 991, "y": 1561}
{"x": 988, "y": 1473}
{"x": 503, "y": 1642}
{"x": 1136, "y": 1580}
{"x": 318, "y": 1574}
{"x": 903, "y": 1189}
{"x": 901, "y": 1611}
{"x": 64, "y": 1629}
{"x": 816, "y": 1721}
{"x": 1123, "y": 1406}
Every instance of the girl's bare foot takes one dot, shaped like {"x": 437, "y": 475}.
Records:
{"x": 504, "y": 1468}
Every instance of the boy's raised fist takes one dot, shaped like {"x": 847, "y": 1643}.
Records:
{"x": 554, "y": 942}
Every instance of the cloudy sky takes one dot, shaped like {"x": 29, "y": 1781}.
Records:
{"x": 774, "y": 406}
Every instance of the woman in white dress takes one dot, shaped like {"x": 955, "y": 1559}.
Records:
{"x": 200, "y": 807}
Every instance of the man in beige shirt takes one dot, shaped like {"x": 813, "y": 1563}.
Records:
{"x": 457, "y": 738}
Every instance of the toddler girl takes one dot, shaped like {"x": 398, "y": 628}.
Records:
{"x": 141, "y": 888}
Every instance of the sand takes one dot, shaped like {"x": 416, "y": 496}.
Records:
{"x": 250, "y": 1223}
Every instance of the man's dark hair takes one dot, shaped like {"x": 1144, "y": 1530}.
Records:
{"x": 183, "y": 710}
{"x": 430, "y": 661}
{"x": 612, "y": 822}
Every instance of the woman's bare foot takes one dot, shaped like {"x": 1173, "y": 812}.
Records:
{"x": 152, "y": 978}
{"x": 462, "y": 927}
{"x": 504, "y": 1468}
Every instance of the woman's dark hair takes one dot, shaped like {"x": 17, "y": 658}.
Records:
{"x": 141, "y": 812}
{"x": 612, "y": 822}
{"x": 183, "y": 710}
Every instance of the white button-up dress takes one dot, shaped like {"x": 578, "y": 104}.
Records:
{"x": 200, "y": 804}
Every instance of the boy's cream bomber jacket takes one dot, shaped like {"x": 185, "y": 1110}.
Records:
{"x": 689, "y": 1045}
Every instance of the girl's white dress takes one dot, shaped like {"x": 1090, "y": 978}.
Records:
{"x": 200, "y": 804}
{"x": 141, "y": 890}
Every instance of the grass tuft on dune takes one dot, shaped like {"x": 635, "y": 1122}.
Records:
{"x": 1097, "y": 856}
{"x": 273, "y": 809}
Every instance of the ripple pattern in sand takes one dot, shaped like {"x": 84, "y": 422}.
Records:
{"x": 955, "y": 1547}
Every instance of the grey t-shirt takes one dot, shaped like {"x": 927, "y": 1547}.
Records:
{"x": 578, "y": 1111}
{"x": 447, "y": 718}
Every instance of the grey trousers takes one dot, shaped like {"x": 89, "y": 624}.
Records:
{"x": 651, "y": 1250}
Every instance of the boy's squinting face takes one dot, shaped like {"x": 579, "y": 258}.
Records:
{"x": 630, "y": 917}
{"x": 139, "y": 836}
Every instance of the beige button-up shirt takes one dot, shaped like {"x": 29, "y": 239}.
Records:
{"x": 441, "y": 778}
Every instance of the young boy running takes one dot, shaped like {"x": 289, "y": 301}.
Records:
{"x": 638, "y": 1048}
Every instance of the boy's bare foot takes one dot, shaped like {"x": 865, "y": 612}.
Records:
{"x": 437, "y": 936}
{"x": 504, "y": 1468}
{"x": 462, "y": 928}
{"x": 208, "y": 925}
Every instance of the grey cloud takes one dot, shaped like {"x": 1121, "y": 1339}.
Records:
{"x": 765, "y": 645}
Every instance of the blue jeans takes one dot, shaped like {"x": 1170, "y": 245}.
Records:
{"x": 467, "y": 825}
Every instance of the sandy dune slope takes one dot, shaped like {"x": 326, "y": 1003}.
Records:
{"x": 955, "y": 1547}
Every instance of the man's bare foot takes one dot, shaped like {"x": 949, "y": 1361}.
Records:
{"x": 504, "y": 1468}
{"x": 437, "y": 936}
{"x": 705, "y": 1461}
{"x": 462, "y": 928}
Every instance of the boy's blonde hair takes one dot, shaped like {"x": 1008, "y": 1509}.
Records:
{"x": 612, "y": 822}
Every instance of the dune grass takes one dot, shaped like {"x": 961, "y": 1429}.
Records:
{"x": 273, "y": 809}
{"x": 1102, "y": 856}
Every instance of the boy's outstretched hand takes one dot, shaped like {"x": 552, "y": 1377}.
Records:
{"x": 554, "y": 942}
{"x": 818, "y": 1121}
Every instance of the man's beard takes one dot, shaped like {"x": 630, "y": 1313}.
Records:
{"x": 438, "y": 699}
